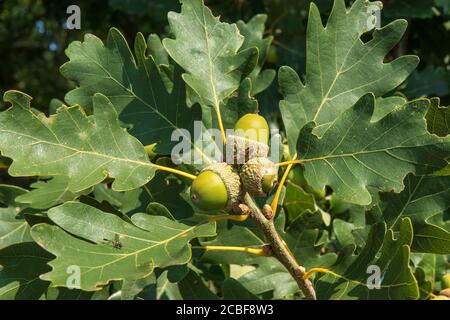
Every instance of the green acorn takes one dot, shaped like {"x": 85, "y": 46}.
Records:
{"x": 252, "y": 126}
{"x": 446, "y": 281}
{"x": 217, "y": 187}
{"x": 259, "y": 176}
{"x": 251, "y": 138}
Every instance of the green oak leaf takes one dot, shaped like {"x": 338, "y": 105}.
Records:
{"x": 159, "y": 54}
{"x": 167, "y": 290}
{"x": 46, "y": 194}
{"x": 240, "y": 103}
{"x": 425, "y": 285}
{"x": 349, "y": 277}
{"x": 347, "y": 233}
{"x": 21, "y": 265}
{"x": 62, "y": 293}
{"x": 233, "y": 234}
{"x": 149, "y": 242}
{"x": 297, "y": 201}
{"x": 421, "y": 9}
{"x": 355, "y": 153}
{"x": 438, "y": 118}
{"x": 192, "y": 287}
{"x": 386, "y": 105}
{"x": 83, "y": 148}
{"x": 304, "y": 241}
{"x": 270, "y": 276}
{"x": 340, "y": 67}
{"x": 168, "y": 196}
{"x": 126, "y": 202}
{"x": 253, "y": 32}
{"x": 433, "y": 267}
{"x": 131, "y": 289}
{"x": 427, "y": 82}
{"x": 234, "y": 290}
{"x": 13, "y": 227}
{"x": 422, "y": 198}
{"x": 135, "y": 86}
{"x": 207, "y": 50}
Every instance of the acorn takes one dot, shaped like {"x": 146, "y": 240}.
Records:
{"x": 254, "y": 127}
{"x": 217, "y": 187}
{"x": 259, "y": 176}
{"x": 251, "y": 138}
{"x": 445, "y": 292}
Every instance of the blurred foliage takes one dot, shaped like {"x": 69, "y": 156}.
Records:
{"x": 33, "y": 37}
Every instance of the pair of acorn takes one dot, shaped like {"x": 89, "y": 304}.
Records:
{"x": 221, "y": 185}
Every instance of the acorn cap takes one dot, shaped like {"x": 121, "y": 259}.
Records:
{"x": 245, "y": 149}
{"x": 258, "y": 176}
{"x": 445, "y": 292}
{"x": 231, "y": 180}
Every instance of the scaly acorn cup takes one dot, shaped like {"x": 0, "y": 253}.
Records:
{"x": 250, "y": 139}
{"x": 259, "y": 176}
{"x": 217, "y": 187}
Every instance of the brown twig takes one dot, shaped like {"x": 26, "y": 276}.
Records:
{"x": 279, "y": 248}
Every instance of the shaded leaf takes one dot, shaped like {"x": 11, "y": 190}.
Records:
{"x": 422, "y": 198}
{"x": 234, "y": 290}
{"x": 46, "y": 194}
{"x": 428, "y": 82}
{"x": 132, "y": 288}
{"x": 253, "y": 32}
{"x": 192, "y": 287}
{"x": 297, "y": 201}
{"x": 166, "y": 191}
{"x": 438, "y": 118}
{"x": 349, "y": 278}
{"x": 124, "y": 201}
{"x": 20, "y": 267}
{"x": 13, "y": 227}
{"x": 410, "y": 8}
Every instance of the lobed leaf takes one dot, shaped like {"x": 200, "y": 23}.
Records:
{"x": 423, "y": 198}
{"x": 136, "y": 86}
{"x": 83, "y": 148}
{"x": 355, "y": 153}
{"x": 207, "y": 50}
{"x": 341, "y": 67}
{"x": 13, "y": 227}
{"x": 84, "y": 238}
{"x": 350, "y": 277}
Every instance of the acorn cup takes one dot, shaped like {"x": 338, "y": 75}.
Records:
{"x": 250, "y": 139}
{"x": 259, "y": 176}
{"x": 217, "y": 187}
